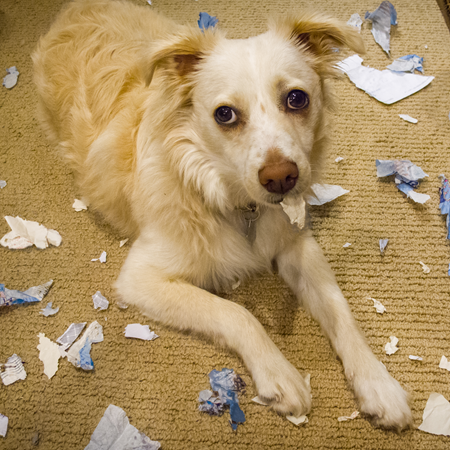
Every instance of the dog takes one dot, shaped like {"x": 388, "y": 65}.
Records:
{"x": 188, "y": 142}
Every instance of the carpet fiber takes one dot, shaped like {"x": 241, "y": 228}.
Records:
{"x": 157, "y": 383}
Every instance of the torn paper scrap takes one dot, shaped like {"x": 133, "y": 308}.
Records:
{"x": 444, "y": 363}
{"x": 408, "y": 118}
{"x": 13, "y": 370}
{"x": 408, "y": 63}
{"x": 355, "y": 21}
{"x": 49, "y": 354}
{"x": 436, "y": 416}
{"x": 10, "y": 80}
{"x": 348, "y": 244}
{"x": 33, "y": 294}
{"x": 415, "y": 358}
{"x": 386, "y": 86}
{"x": 404, "y": 170}
{"x": 444, "y": 202}
{"x": 71, "y": 334}
{"x": 138, "y": 331}
{"x": 425, "y": 268}
{"x": 339, "y": 159}
{"x": 79, "y": 353}
{"x": 123, "y": 242}
{"x": 210, "y": 403}
{"x": 391, "y": 347}
{"x": 412, "y": 194}
{"x": 3, "y": 425}
{"x": 100, "y": 302}
{"x": 383, "y": 243}
{"x": 79, "y": 205}
{"x": 114, "y": 432}
{"x": 102, "y": 258}
{"x": 352, "y": 416}
{"x": 324, "y": 193}
{"x": 296, "y": 211}
{"x": 234, "y": 286}
{"x": 26, "y": 233}
{"x": 206, "y": 21}
{"x": 382, "y": 19}
{"x": 2, "y": 184}
{"x": 48, "y": 310}
{"x": 378, "y": 306}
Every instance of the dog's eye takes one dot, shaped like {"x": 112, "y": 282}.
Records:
{"x": 297, "y": 99}
{"x": 225, "y": 114}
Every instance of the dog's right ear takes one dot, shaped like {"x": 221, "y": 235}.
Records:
{"x": 179, "y": 54}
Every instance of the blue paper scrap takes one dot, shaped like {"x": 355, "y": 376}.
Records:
{"x": 33, "y": 294}
{"x": 86, "y": 362}
{"x": 382, "y": 19}
{"x": 444, "y": 201}
{"x": 206, "y": 21}
{"x": 227, "y": 385}
{"x": 408, "y": 63}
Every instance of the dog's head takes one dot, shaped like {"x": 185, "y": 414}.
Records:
{"x": 250, "y": 121}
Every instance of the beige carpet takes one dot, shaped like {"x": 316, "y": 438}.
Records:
{"x": 157, "y": 383}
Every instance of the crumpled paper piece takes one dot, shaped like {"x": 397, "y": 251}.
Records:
{"x": 444, "y": 202}
{"x": 100, "y": 302}
{"x": 79, "y": 205}
{"x": 296, "y": 211}
{"x": 378, "y": 306}
{"x": 353, "y": 415}
{"x": 444, "y": 363}
{"x": 114, "y": 432}
{"x": 227, "y": 384}
{"x": 138, "y": 331}
{"x": 70, "y": 335}
{"x": 385, "y": 86}
{"x": 48, "y": 310}
{"x": 26, "y": 233}
{"x": 33, "y": 294}
{"x": 407, "y": 63}
{"x": 49, "y": 354}
{"x": 436, "y": 416}
{"x": 206, "y": 21}
{"x": 102, "y": 258}
{"x": 10, "y": 80}
{"x": 383, "y": 244}
{"x": 14, "y": 370}
{"x": 79, "y": 353}
{"x": 355, "y": 21}
{"x": 324, "y": 193}
{"x": 425, "y": 268}
{"x": 382, "y": 19}
{"x": 3, "y": 425}
{"x": 391, "y": 347}
{"x": 407, "y": 118}
{"x": 2, "y": 184}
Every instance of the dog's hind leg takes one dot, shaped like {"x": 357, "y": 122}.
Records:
{"x": 179, "y": 304}
{"x": 305, "y": 269}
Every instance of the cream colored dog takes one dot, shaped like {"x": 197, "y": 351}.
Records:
{"x": 188, "y": 142}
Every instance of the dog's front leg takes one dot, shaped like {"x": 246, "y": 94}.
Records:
{"x": 179, "y": 304}
{"x": 305, "y": 269}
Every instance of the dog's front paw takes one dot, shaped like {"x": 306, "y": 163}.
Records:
{"x": 283, "y": 388}
{"x": 383, "y": 399}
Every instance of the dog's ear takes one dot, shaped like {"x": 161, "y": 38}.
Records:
{"x": 320, "y": 36}
{"x": 179, "y": 54}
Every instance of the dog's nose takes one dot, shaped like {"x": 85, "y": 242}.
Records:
{"x": 279, "y": 176}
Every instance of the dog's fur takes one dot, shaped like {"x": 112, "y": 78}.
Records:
{"x": 129, "y": 97}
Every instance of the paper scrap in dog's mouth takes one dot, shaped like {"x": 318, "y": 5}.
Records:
{"x": 10, "y": 297}
{"x": 436, "y": 416}
{"x": 114, "y": 431}
{"x": 386, "y": 86}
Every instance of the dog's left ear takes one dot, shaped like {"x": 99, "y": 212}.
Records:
{"x": 321, "y": 37}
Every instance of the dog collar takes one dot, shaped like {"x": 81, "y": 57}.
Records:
{"x": 250, "y": 214}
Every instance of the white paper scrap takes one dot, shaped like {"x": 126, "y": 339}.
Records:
{"x": 49, "y": 354}
{"x": 2, "y": 184}
{"x": 378, "y": 306}
{"x": 100, "y": 302}
{"x": 436, "y": 416}
{"x": 425, "y": 268}
{"x": 415, "y": 358}
{"x": 348, "y": 244}
{"x": 408, "y": 118}
{"x": 102, "y": 258}
{"x": 123, "y": 242}
{"x": 444, "y": 363}
{"x": 10, "y": 80}
{"x": 353, "y": 415}
{"x": 26, "y": 233}
{"x": 296, "y": 211}
{"x": 383, "y": 243}
{"x": 339, "y": 159}
{"x": 79, "y": 205}
{"x": 69, "y": 336}
{"x": 114, "y": 432}
{"x": 386, "y": 86}
{"x": 324, "y": 193}
{"x": 355, "y": 21}
{"x": 14, "y": 370}
{"x": 234, "y": 286}
{"x": 94, "y": 333}
{"x": 48, "y": 310}
{"x": 138, "y": 331}
{"x": 3, "y": 425}
{"x": 391, "y": 347}
{"x": 297, "y": 420}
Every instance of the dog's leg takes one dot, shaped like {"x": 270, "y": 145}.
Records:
{"x": 305, "y": 269}
{"x": 174, "y": 302}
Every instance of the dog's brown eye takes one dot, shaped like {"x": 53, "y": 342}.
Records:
{"x": 225, "y": 114}
{"x": 297, "y": 99}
